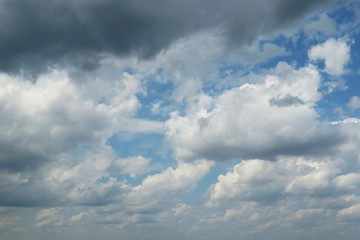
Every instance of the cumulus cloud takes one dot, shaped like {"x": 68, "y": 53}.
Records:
{"x": 274, "y": 116}
{"x": 53, "y": 115}
{"x": 252, "y": 180}
{"x": 53, "y": 145}
{"x": 335, "y": 53}
{"x": 182, "y": 178}
{"x": 266, "y": 182}
{"x": 81, "y": 31}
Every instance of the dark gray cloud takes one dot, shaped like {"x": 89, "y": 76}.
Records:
{"x": 26, "y": 194}
{"x": 38, "y": 33}
{"x": 286, "y": 101}
{"x": 20, "y": 158}
{"x": 322, "y": 144}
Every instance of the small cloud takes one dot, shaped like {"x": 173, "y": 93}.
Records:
{"x": 49, "y": 217}
{"x": 335, "y": 53}
{"x": 331, "y": 86}
{"x": 286, "y": 101}
{"x": 350, "y": 214}
{"x": 79, "y": 217}
{"x": 354, "y": 103}
{"x": 155, "y": 108}
{"x": 132, "y": 165}
{"x": 322, "y": 26}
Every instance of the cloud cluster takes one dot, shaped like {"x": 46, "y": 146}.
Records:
{"x": 53, "y": 115}
{"x": 275, "y": 116}
{"x": 54, "y": 132}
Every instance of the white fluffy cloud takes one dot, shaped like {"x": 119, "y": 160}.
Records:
{"x": 182, "y": 178}
{"x": 259, "y": 180}
{"x": 252, "y": 180}
{"x": 54, "y": 132}
{"x": 54, "y": 115}
{"x": 335, "y": 53}
{"x": 293, "y": 194}
{"x": 274, "y": 116}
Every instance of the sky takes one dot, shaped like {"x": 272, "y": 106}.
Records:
{"x": 191, "y": 119}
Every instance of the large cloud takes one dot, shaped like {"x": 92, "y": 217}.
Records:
{"x": 53, "y": 115}
{"x": 275, "y": 116}
{"x": 54, "y": 131}
{"x": 36, "y": 30}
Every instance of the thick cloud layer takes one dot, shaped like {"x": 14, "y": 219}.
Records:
{"x": 36, "y": 33}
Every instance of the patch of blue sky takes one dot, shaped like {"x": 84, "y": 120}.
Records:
{"x": 355, "y": 54}
{"x": 344, "y": 15}
{"x": 126, "y": 178}
{"x": 157, "y": 93}
{"x": 226, "y": 69}
{"x": 149, "y": 145}
{"x": 334, "y": 106}
{"x": 128, "y": 70}
{"x": 224, "y": 80}
{"x": 278, "y": 40}
{"x": 296, "y": 55}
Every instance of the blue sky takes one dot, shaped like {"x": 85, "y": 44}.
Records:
{"x": 179, "y": 119}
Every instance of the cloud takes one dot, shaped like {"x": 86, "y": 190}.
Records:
{"x": 254, "y": 53}
{"x": 320, "y": 27}
{"x": 252, "y": 180}
{"x": 182, "y": 178}
{"x": 6, "y": 222}
{"x": 53, "y": 115}
{"x": 274, "y": 116}
{"x": 54, "y": 131}
{"x": 354, "y": 103}
{"x": 267, "y": 182}
{"x": 312, "y": 177}
{"x": 332, "y": 178}
{"x": 79, "y": 217}
{"x": 286, "y": 101}
{"x": 131, "y": 165}
{"x": 351, "y": 213}
{"x": 35, "y": 32}
{"x": 49, "y": 218}
{"x": 335, "y": 53}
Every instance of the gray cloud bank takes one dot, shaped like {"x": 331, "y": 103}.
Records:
{"x": 38, "y": 33}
